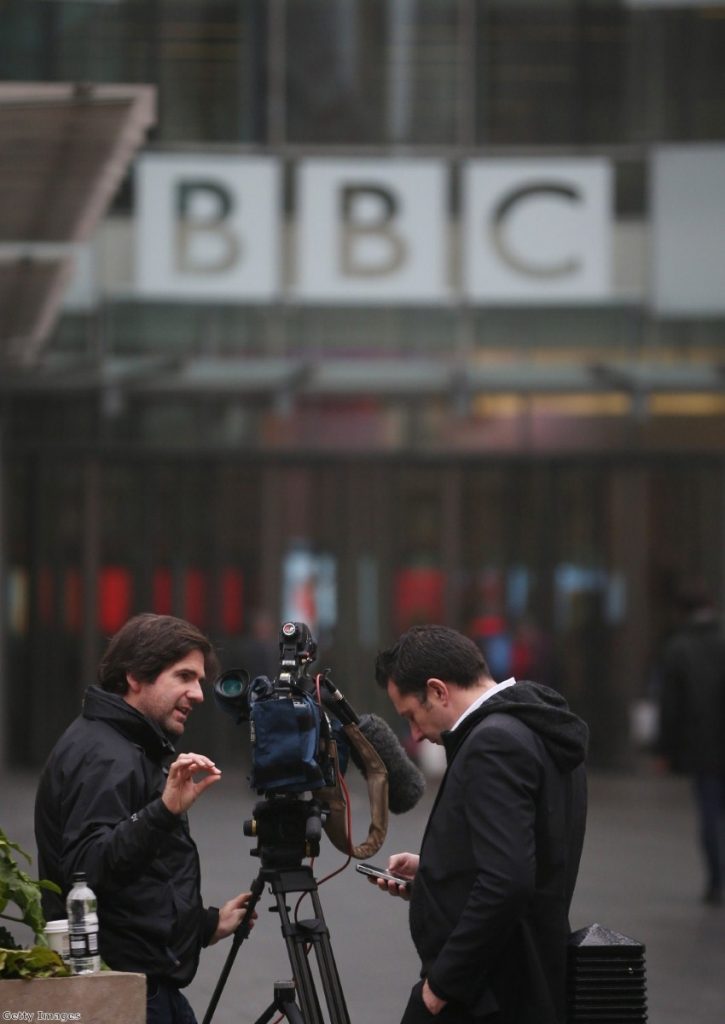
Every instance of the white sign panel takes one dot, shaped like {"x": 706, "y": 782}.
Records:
{"x": 372, "y": 231}
{"x": 537, "y": 230}
{"x": 688, "y": 230}
{"x": 208, "y": 227}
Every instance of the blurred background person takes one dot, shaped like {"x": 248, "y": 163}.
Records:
{"x": 692, "y": 720}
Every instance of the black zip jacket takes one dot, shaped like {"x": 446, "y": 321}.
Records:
{"x": 98, "y": 809}
{"x": 499, "y": 858}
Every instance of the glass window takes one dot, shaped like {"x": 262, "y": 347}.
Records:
{"x": 355, "y": 72}
{"x": 366, "y": 71}
{"x": 550, "y": 74}
{"x": 211, "y": 70}
{"x": 207, "y": 57}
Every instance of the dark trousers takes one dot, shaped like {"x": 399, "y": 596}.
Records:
{"x": 710, "y": 797}
{"x": 165, "y": 1004}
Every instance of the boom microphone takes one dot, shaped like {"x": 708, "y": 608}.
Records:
{"x": 406, "y": 782}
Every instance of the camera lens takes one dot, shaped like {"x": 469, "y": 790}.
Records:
{"x": 232, "y": 685}
{"x": 231, "y": 693}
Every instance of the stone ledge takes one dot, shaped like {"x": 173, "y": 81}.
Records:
{"x": 111, "y": 997}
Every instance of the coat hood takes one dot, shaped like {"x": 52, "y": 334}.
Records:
{"x": 544, "y": 711}
{"x": 102, "y": 706}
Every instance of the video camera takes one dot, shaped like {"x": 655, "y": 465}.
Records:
{"x": 302, "y": 730}
{"x": 296, "y": 755}
{"x": 290, "y": 733}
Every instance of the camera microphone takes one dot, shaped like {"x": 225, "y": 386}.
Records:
{"x": 406, "y": 782}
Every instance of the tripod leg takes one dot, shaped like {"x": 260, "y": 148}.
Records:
{"x": 284, "y": 1002}
{"x": 240, "y": 935}
{"x": 284, "y": 999}
{"x": 268, "y": 1013}
{"x": 328, "y": 968}
{"x": 301, "y": 968}
{"x": 298, "y": 936}
{"x": 313, "y": 933}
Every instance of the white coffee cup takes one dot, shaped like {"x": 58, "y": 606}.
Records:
{"x": 56, "y": 932}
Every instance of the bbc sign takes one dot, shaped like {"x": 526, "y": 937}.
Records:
{"x": 374, "y": 230}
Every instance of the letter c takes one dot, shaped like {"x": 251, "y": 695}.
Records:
{"x": 502, "y": 246}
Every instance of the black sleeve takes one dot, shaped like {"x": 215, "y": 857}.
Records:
{"x": 209, "y": 924}
{"x": 112, "y": 825}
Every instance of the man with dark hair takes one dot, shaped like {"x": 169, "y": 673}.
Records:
{"x": 108, "y": 806}
{"x": 493, "y": 883}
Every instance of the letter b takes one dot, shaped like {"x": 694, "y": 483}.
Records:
{"x": 205, "y": 242}
{"x": 358, "y": 229}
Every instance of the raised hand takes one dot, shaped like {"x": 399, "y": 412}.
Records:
{"x": 183, "y": 785}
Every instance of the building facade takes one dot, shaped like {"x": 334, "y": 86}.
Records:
{"x": 406, "y": 311}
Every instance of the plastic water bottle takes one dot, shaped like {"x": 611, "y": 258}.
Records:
{"x": 82, "y": 927}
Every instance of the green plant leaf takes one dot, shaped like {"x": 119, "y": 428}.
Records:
{"x": 19, "y": 888}
{"x": 6, "y": 846}
{"x": 37, "y": 962}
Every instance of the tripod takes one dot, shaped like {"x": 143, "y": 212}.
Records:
{"x": 283, "y": 871}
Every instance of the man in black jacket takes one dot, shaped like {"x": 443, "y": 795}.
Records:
{"x": 495, "y": 876}
{"x": 108, "y": 805}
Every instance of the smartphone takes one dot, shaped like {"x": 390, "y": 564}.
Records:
{"x": 375, "y": 872}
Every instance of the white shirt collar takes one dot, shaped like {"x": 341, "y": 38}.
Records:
{"x": 484, "y": 697}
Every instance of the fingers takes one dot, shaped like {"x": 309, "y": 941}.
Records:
{"x": 204, "y": 783}
{"x": 238, "y": 905}
{"x": 182, "y": 788}
{"x": 404, "y": 864}
{"x": 245, "y": 899}
{"x": 399, "y": 890}
{"x": 189, "y": 764}
{"x": 390, "y": 887}
{"x": 236, "y": 911}
{"x": 232, "y": 914}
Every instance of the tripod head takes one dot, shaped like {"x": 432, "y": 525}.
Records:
{"x": 288, "y": 830}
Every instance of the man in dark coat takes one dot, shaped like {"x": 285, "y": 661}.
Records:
{"x": 692, "y": 721}
{"x": 493, "y": 883}
{"x": 108, "y": 805}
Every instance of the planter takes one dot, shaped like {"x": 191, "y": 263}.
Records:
{"x": 110, "y": 997}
